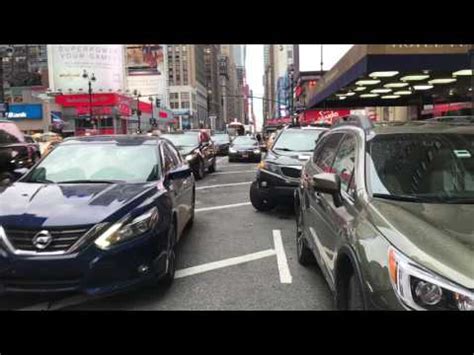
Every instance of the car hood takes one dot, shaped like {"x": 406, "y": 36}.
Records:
{"x": 437, "y": 236}
{"x": 288, "y": 158}
{"x": 38, "y": 205}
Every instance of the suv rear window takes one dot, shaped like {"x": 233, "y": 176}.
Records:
{"x": 10, "y": 134}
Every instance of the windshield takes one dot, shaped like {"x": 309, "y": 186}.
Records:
{"x": 297, "y": 140}
{"x": 98, "y": 162}
{"x": 183, "y": 140}
{"x": 221, "y": 138}
{"x": 10, "y": 134}
{"x": 244, "y": 140}
{"x": 422, "y": 167}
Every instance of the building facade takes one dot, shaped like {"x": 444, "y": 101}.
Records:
{"x": 228, "y": 78}
{"x": 187, "y": 84}
{"x": 211, "y": 58}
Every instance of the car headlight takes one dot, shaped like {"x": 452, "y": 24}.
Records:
{"x": 274, "y": 168}
{"x": 232, "y": 150}
{"x": 420, "y": 289}
{"x": 124, "y": 230}
{"x": 256, "y": 151}
{"x": 189, "y": 157}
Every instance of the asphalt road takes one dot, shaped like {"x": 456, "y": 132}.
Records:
{"x": 233, "y": 258}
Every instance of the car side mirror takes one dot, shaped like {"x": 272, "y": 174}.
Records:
{"x": 329, "y": 183}
{"x": 182, "y": 172}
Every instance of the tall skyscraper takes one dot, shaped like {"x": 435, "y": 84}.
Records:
{"x": 187, "y": 84}
{"x": 211, "y": 56}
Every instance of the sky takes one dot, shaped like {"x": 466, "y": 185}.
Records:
{"x": 310, "y": 59}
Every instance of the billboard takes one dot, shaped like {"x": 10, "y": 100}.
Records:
{"x": 145, "y": 59}
{"x": 146, "y": 70}
{"x": 66, "y": 64}
{"x": 25, "y": 111}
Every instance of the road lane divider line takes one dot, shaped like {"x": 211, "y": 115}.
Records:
{"x": 283, "y": 268}
{"x": 235, "y": 172}
{"x": 223, "y": 185}
{"x": 204, "y": 209}
{"x": 223, "y": 263}
{"x": 194, "y": 270}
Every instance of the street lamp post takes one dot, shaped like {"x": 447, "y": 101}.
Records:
{"x": 90, "y": 79}
{"x": 138, "y": 95}
{"x": 152, "y": 120}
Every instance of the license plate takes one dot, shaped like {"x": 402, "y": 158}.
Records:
{"x": 245, "y": 155}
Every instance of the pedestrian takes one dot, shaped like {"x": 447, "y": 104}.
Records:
{"x": 203, "y": 134}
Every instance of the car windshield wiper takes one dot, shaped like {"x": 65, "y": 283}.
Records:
{"x": 89, "y": 182}
{"x": 284, "y": 149}
{"x": 407, "y": 198}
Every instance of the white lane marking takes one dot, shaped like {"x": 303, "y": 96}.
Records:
{"x": 223, "y": 185}
{"x": 222, "y": 207}
{"x": 235, "y": 172}
{"x": 283, "y": 268}
{"x": 76, "y": 300}
{"x": 223, "y": 263}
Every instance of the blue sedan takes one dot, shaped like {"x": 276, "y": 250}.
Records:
{"x": 97, "y": 215}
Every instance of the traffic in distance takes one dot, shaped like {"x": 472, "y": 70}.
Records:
{"x": 382, "y": 212}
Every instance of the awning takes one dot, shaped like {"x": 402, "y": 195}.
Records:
{"x": 363, "y": 61}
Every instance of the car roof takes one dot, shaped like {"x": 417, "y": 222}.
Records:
{"x": 306, "y": 128}
{"x": 122, "y": 139}
{"x": 422, "y": 127}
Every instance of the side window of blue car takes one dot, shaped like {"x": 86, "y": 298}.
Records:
{"x": 168, "y": 163}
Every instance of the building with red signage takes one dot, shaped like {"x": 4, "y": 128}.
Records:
{"x": 114, "y": 114}
{"x": 111, "y": 111}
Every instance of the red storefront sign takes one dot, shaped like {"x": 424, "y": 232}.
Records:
{"x": 278, "y": 121}
{"x": 440, "y": 109}
{"x": 102, "y": 104}
{"x": 326, "y": 116}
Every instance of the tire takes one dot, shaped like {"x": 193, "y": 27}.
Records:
{"x": 355, "y": 300}
{"x": 212, "y": 168}
{"x": 199, "y": 170}
{"x": 168, "y": 277}
{"x": 258, "y": 201}
{"x": 191, "y": 219}
{"x": 304, "y": 254}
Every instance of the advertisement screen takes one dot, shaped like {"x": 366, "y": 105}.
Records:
{"x": 24, "y": 111}
{"x": 67, "y": 63}
{"x": 145, "y": 59}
